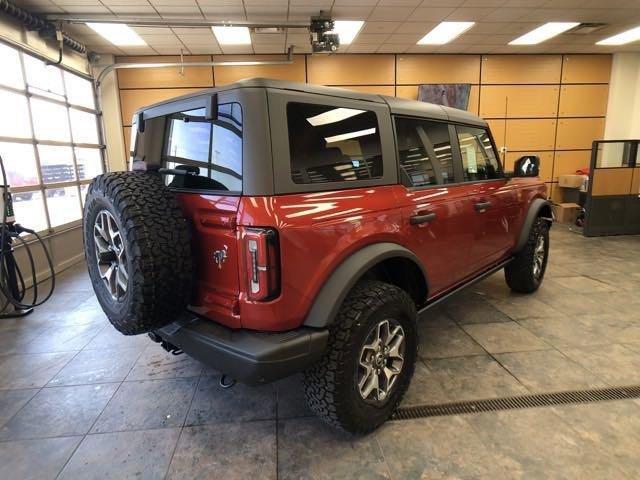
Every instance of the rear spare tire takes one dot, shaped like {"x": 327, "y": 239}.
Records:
{"x": 138, "y": 251}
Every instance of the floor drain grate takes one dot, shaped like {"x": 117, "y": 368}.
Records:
{"x": 524, "y": 401}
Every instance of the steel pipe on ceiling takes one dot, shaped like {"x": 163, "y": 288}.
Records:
{"x": 141, "y": 21}
{"x": 288, "y": 60}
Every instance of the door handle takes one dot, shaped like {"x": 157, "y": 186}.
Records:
{"x": 481, "y": 206}
{"x": 419, "y": 219}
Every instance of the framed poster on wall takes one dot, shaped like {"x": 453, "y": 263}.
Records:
{"x": 454, "y": 95}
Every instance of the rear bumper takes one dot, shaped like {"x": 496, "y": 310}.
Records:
{"x": 248, "y": 356}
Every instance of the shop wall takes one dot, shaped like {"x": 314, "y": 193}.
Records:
{"x": 551, "y": 105}
{"x": 64, "y": 246}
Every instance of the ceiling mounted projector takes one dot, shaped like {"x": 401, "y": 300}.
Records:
{"x": 323, "y": 40}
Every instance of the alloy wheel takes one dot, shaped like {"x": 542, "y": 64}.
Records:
{"x": 380, "y": 361}
{"x": 538, "y": 257}
{"x": 111, "y": 255}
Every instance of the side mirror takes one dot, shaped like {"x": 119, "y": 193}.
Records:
{"x": 527, "y": 166}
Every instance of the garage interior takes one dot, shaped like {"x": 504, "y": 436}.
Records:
{"x": 80, "y": 400}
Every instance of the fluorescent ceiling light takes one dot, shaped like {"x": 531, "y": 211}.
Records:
{"x": 445, "y": 32}
{"x": 347, "y": 30}
{"x": 544, "y": 32}
{"x": 347, "y": 136}
{"x": 332, "y": 116}
{"x": 117, "y": 33}
{"x": 622, "y": 38}
{"x": 232, "y": 35}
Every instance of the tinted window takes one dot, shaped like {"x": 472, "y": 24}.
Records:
{"x": 213, "y": 147}
{"x": 479, "y": 161}
{"x": 424, "y": 151}
{"x": 329, "y": 144}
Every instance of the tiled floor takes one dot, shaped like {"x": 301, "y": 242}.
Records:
{"x": 78, "y": 400}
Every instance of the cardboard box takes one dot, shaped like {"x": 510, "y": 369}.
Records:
{"x": 571, "y": 181}
{"x": 565, "y": 212}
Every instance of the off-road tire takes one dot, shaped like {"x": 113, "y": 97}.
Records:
{"x": 330, "y": 385}
{"x": 157, "y": 241}
{"x": 519, "y": 274}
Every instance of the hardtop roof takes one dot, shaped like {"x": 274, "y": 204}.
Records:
{"x": 397, "y": 106}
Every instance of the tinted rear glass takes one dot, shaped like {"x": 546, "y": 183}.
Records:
{"x": 333, "y": 144}
{"x": 213, "y": 146}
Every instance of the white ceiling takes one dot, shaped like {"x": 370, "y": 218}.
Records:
{"x": 392, "y": 26}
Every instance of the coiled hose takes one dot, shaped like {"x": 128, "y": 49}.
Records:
{"x": 14, "y": 232}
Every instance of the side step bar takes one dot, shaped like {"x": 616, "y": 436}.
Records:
{"x": 464, "y": 286}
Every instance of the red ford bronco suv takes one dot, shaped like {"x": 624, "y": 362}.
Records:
{"x": 270, "y": 228}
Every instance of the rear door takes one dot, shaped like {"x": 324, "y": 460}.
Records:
{"x": 437, "y": 210}
{"x": 494, "y": 198}
{"x": 208, "y": 149}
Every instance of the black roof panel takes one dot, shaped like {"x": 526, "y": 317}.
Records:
{"x": 397, "y": 105}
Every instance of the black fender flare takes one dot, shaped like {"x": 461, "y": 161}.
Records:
{"x": 332, "y": 294}
{"x": 534, "y": 212}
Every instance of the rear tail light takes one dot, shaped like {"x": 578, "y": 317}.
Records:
{"x": 262, "y": 262}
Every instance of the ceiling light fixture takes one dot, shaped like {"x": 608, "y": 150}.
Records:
{"x": 444, "y": 32}
{"x": 622, "y": 38}
{"x": 232, "y": 35}
{"x": 544, "y": 32}
{"x": 117, "y": 33}
{"x": 347, "y": 30}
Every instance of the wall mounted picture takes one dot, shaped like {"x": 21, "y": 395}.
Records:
{"x": 454, "y": 95}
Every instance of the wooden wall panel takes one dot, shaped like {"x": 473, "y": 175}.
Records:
{"x": 611, "y": 181}
{"x": 566, "y": 163}
{"x": 388, "y": 90}
{"x": 546, "y": 163}
{"x": 521, "y": 101}
{"x": 417, "y": 69}
{"x": 521, "y": 69}
{"x": 351, "y": 69}
{"x": 578, "y": 133}
{"x": 131, "y": 100}
{"x": 527, "y": 136}
{"x": 411, "y": 92}
{"x": 555, "y": 193}
{"x": 583, "y": 100}
{"x": 165, "y": 77}
{"x": 497, "y": 130}
{"x": 635, "y": 182}
{"x": 586, "y": 68}
{"x": 294, "y": 72}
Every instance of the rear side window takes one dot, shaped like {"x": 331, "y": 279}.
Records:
{"x": 424, "y": 152}
{"x": 333, "y": 144}
{"x": 211, "y": 149}
{"x": 479, "y": 161}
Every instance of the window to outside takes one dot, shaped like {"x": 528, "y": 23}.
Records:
{"x": 479, "y": 161}
{"x": 424, "y": 150}
{"x": 49, "y": 139}
{"x": 330, "y": 144}
{"x": 210, "y": 150}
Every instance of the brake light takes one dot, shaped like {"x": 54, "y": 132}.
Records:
{"x": 262, "y": 262}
